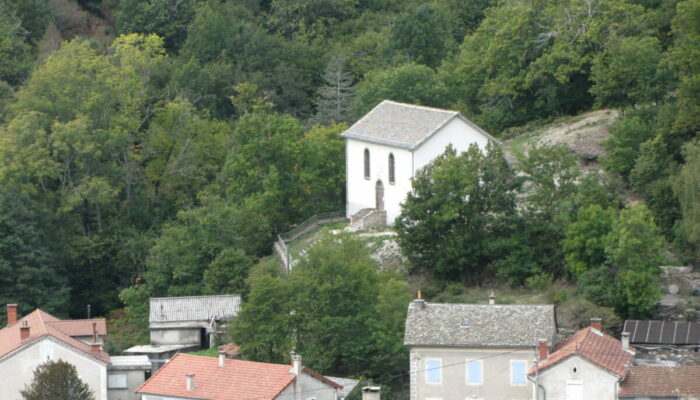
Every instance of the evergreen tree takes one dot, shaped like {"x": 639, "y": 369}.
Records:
{"x": 57, "y": 380}
{"x": 336, "y": 97}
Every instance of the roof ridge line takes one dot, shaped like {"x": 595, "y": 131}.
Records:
{"x": 420, "y": 106}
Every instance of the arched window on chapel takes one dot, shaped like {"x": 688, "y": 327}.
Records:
{"x": 367, "y": 164}
{"x": 391, "y": 169}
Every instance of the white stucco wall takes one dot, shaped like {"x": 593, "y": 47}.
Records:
{"x": 361, "y": 192}
{"x": 496, "y": 373}
{"x": 457, "y": 133}
{"x": 597, "y": 382}
{"x": 17, "y": 371}
{"x": 134, "y": 378}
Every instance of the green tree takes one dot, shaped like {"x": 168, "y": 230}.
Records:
{"x": 166, "y": 18}
{"x": 457, "y": 204}
{"x": 16, "y": 55}
{"x": 684, "y": 58}
{"x": 687, "y": 187}
{"x": 57, "y": 380}
{"x": 627, "y": 135}
{"x": 585, "y": 240}
{"x": 423, "y": 35}
{"x": 334, "y": 309}
{"x": 629, "y": 72}
{"x": 409, "y": 83}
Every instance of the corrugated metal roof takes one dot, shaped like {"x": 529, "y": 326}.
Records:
{"x": 477, "y": 325}
{"x": 194, "y": 308}
{"x": 403, "y": 125}
{"x": 663, "y": 332}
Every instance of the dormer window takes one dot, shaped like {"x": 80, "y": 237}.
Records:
{"x": 367, "y": 172}
{"x": 392, "y": 180}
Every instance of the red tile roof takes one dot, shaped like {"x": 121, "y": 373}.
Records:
{"x": 43, "y": 324}
{"x": 236, "y": 380}
{"x": 593, "y": 345}
{"x": 662, "y": 381}
{"x": 80, "y": 327}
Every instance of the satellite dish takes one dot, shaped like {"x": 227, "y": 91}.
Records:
{"x": 673, "y": 289}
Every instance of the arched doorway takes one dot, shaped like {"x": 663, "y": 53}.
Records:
{"x": 379, "y": 191}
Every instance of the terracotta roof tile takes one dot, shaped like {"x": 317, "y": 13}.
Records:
{"x": 80, "y": 327}
{"x": 599, "y": 348}
{"x": 43, "y": 324}
{"x": 661, "y": 381}
{"x": 236, "y": 380}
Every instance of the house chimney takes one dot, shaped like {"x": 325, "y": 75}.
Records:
{"x": 89, "y": 311}
{"x": 24, "y": 330}
{"x": 190, "y": 381}
{"x": 94, "y": 332}
{"x": 95, "y": 347}
{"x": 543, "y": 350}
{"x": 222, "y": 358}
{"x": 597, "y": 323}
{"x": 296, "y": 364}
{"x": 11, "y": 313}
{"x": 371, "y": 393}
{"x": 420, "y": 303}
{"x": 492, "y": 298}
{"x": 626, "y": 340}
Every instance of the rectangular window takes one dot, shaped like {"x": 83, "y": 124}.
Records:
{"x": 517, "y": 372}
{"x": 474, "y": 372}
{"x": 117, "y": 381}
{"x": 433, "y": 371}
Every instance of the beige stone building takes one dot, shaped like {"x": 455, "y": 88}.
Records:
{"x": 474, "y": 351}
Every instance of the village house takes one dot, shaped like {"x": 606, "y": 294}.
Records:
{"x": 190, "y": 377}
{"x": 587, "y": 365}
{"x": 474, "y": 351}
{"x": 385, "y": 149}
{"x": 27, "y": 342}
{"x": 186, "y": 324}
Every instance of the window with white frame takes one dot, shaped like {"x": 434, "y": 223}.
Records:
{"x": 517, "y": 372}
{"x": 475, "y": 373}
{"x": 433, "y": 370}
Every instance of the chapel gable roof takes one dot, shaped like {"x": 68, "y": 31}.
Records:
{"x": 403, "y": 125}
{"x": 194, "y": 308}
{"x": 478, "y": 325}
{"x": 593, "y": 345}
{"x": 42, "y": 324}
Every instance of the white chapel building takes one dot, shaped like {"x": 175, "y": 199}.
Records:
{"x": 386, "y": 147}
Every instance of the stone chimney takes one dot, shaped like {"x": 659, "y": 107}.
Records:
{"x": 11, "y": 313}
{"x": 597, "y": 323}
{"x": 626, "y": 340}
{"x": 543, "y": 350}
{"x": 190, "y": 381}
{"x": 492, "y": 298}
{"x": 24, "y": 330}
{"x": 222, "y": 358}
{"x": 420, "y": 303}
{"x": 296, "y": 364}
{"x": 371, "y": 393}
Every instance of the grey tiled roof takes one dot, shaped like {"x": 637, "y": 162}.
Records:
{"x": 402, "y": 125}
{"x": 194, "y": 308}
{"x": 479, "y": 325}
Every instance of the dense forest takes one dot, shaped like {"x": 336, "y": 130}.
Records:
{"x": 156, "y": 147}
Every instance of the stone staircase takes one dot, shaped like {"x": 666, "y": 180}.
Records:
{"x": 367, "y": 218}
